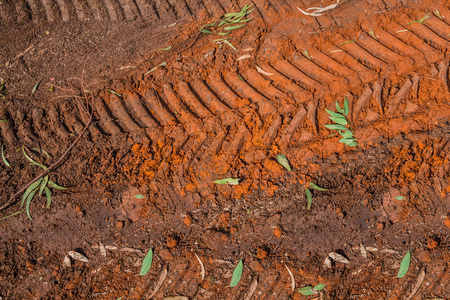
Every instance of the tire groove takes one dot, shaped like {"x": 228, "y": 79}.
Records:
{"x": 78, "y": 7}
{"x": 96, "y": 10}
{"x": 129, "y": 9}
{"x": 292, "y": 72}
{"x": 6, "y": 128}
{"x": 191, "y": 100}
{"x": 47, "y": 4}
{"x": 392, "y": 106}
{"x": 106, "y": 119}
{"x": 34, "y": 10}
{"x": 121, "y": 113}
{"x": 159, "y": 109}
{"x": 64, "y": 10}
{"x": 228, "y": 96}
{"x": 361, "y": 103}
{"x": 140, "y": 111}
{"x": 427, "y": 34}
{"x": 59, "y": 128}
{"x": 370, "y": 60}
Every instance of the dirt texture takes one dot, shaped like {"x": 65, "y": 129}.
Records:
{"x": 175, "y": 109}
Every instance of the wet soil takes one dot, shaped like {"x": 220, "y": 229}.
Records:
{"x": 167, "y": 123}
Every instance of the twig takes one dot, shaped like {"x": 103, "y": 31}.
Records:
{"x": 53, "y": 166}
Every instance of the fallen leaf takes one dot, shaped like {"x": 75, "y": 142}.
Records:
{"x": 416, "y": 287}
{"x": 35, "y": 87}
{"x": 202, "y": 267}
{"x": 282, "y": 160}
{"x": 363, "y": 250}
{"x": 263, "y": 72}
{"x": 230, "y": 181}
{"x": 147, "y": 263}
{"x": 245, "y": 56}
{"x": 78, "y": 256}
{"x": 252, "y": 289}
{"x": 237, "y": 274}
{"x": 102, "y": 249}
{"x": 327, "y": 263}
{"x": 66, "y": 262}
{"x": 404, "y": 265}
{"x": 292, "y": 278}
{"x": 162, "y": 277}
{"x": 337, "y": 257}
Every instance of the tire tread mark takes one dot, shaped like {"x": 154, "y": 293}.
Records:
{"x": 159, "y": 109}
{"x": 96, "y": 10}
{"x": 393, "y": 105}
{"x": 24, "y": 127}
{"x": 427, "y": 34}
{"x": 140, "y": 111}
{"x": 47, "y": 4}
{"x": 113, "y": 16}
{"x": 106, "y": 119}
{"x": 265, "y": 106}
{"x": 439, "y": 27}
{"x": 381, "y": 51}
{"x": 229, "y": 97}
{"x": 190, "y": 100}
{"x": 290, "y": 71}
{"x": 234, "y": 146}
{"x": 443, "y": 73}
{"x": 59, "y": 128}
{"x": 38, "y": 117}
{"x": 117, "y": 107}
{"x": 93, "y": 128}
{"x": 34, "y": 10}
{"x": 217, "y": 8}
{"x": 165, "y": 10}
{"x": 6, "y": 128}
{"x": 272, "y": 132}
{"x": 361, "y": 102}
{"x": 63, "y": 10}
{"x": 129, "y": 9}
{"x": 296, "y": 121}
{"x": 262, "y": 84}
{"x": 361, "y": 54}
{"x": 78, "y": 7}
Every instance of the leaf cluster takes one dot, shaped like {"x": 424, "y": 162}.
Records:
{"x": 340, "y": 120}
{"x": 309, "y": 290}
{"x": 227, "y": 24}
{"x": 309, "y": 194}
{"x": 40, "y": 186}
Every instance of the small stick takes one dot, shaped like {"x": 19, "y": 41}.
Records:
{"x": 54, "y": 165}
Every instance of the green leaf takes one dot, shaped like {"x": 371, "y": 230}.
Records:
{"x": 230, "y": 181}
{"x": 26, "y": 156}
{"x": 349, "y": 142}
{"x": 55, "y": 186}
{"x": 41, "y": 151}
{"x": 339, "y": 120}
{"x": 306, "y": 54}
{"x": 336, "y": 127}
{"x": 309, "y": 198}
{"x": 164, "y": 49}
{"x": 240, "y": 77}
{"x": 4, "y": 120}
{"x": 205, "y": 31}
{"x": 372, "y": 34}
{"x": 48, "y": 195}
{"x": 43, "y": 185}
{"x": 316, "y": 187}
{"x": 346, "y": 134}
{"x": 4, "y": 159}
{"x": 139, "y": 196}
{"x": 228, "y": 28}
{"x": 404, "y": 265}
{"x": 38, "y": 164}
{"x": 35, "y": 87}
{"x": 13, "y": 214}
{"x": 27, "y": 206}
{"x": 347, "y": 42}
{"x": 400, "y": 198}
{"x": 335, "y": 114}
{"x": 223, "y": 33}
{"x": 438, "y": 14}
{"x": 307, "y": 291}
{"x": 114, "y": 92}
{"x": 346, "y": 109}
{"x": 31, "y": 188}
{"x": 230, "y": 44}
{"x": 147, "y": 263}
{"x": 237, "y": 274}
{"x": 339, "y": 109}
{"x": 282, "y": 160}
{"x": 319, "y": 287}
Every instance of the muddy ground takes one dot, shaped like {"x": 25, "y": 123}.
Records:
{"x": 162, "y": 124}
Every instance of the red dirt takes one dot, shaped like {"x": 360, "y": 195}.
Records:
{"x": 205, "y": 115}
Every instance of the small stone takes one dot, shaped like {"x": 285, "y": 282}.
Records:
{"x": 119, "y": 224}
{"x": 278, "y": 231}
{"x": 187, "y": 220}
{"x": 380, "y": 226}
{"x": 172, "y": 241}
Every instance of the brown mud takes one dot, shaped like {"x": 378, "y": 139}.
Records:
{"x": 170, "y": 122}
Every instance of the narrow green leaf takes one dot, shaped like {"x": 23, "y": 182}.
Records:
{"x": 307, "y": 291}
{"x": 31, "y": 188}
{"x": 339, "y": 120}
{"x": 346, "y": 109}
{"x": 438, "y": 14}
{"x": 139, "y": 196}
{"x": 115, "y": 93}
{"x": 38, "y": 164}
{"x": 349, "y": 142}
{"x": 43, "y": 185}
{"x": 282, "y": 160}
{"x": 5, "y": 161}
{"x": 147, "y": 263}
{"x": 306, "y": 54}
{"x": 336, "y": 127}
{"x": 240, "y": 77}
{"x": 230, "y": 181}
{"x": 230, "y": 44}
{"x": 339, "y": 109}
{"x": 219, "y": 40}
{"x": 223, "y": 33}
{"x": 35, "y": 87}
{"x": 55, "y": 186}
{"x": 316, "y": 187}
{"x": 346, "y": 134}
{"x": 404, "y": 265}
{"x": 4, "y": 120}
{"x": 205, "y": 31}
{"x": 319, "y": 287}
{"x": 13, "y": 214}
{"x": 372, "y": 34}
{"x": 27, "y": 206}
{"x": 237, "y": 274}
{"x": 48, "y": 195}
{"x": 26, "y": 156}
{"x": 335, "y": 114}
{"x": 400, "y": 198}
{"x": 309, "y": 199}
{"x": 347, "y": 42}
{"x": 228, "y": 28}
{"x": 164, "y": 49}
{"x": 41, "y": 151}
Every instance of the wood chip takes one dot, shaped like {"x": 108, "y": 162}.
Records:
{"x": 162, "y": 277}
{"x": 252, "y": 289}
{"x": 363, "y": 250}
{"x": 201, "y": 266}
{"x": 245, "y": 56}
{"x": 327, "y": 263}
{"x": 102, "y": 249}
{"x": 292, "y": 278}
{"x": 66, "y": 262}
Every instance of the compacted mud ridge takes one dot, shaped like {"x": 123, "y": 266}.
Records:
{"x": 175, "y": 109}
